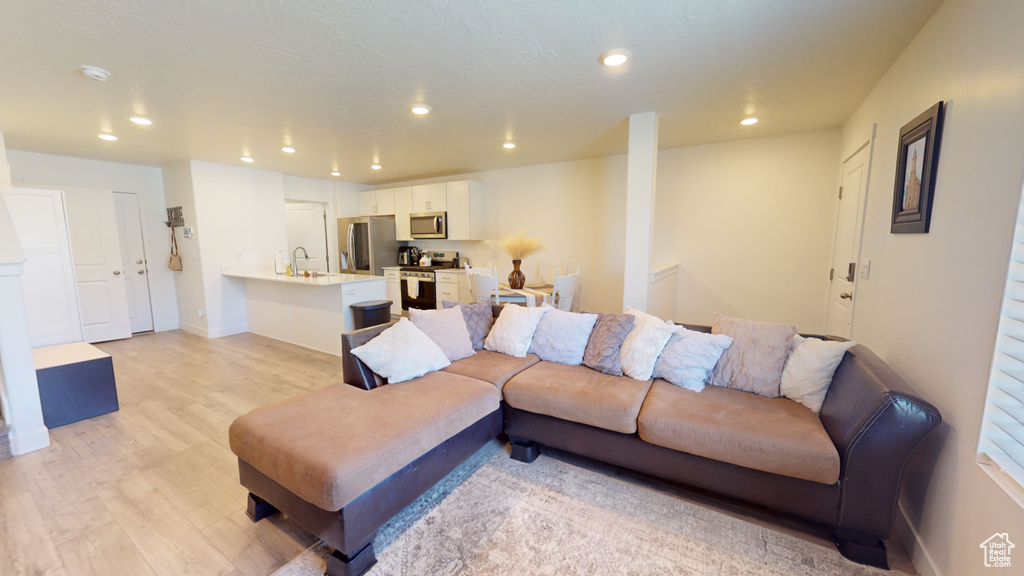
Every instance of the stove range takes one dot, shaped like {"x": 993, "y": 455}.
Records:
{"x": 423, "y": 295}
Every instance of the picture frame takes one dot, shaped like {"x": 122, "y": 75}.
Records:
{"x": 917, "y": 161}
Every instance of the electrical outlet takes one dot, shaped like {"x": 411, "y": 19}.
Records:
{"x": 201, "y": 313}
{"x": 350, "y": 291}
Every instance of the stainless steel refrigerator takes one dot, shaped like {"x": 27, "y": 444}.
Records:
{"x": 367, "y": 244}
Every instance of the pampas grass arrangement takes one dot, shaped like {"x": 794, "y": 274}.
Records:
{"x": 519, "y": 245}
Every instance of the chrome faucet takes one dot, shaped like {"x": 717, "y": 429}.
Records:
{"x": 295, "y": 264}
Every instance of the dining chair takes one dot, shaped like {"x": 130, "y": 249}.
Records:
{"x": 564, "y": 289}
{"x": 483, "y": 283}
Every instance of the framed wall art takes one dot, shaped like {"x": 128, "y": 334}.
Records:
{"x": 917, "y": 160}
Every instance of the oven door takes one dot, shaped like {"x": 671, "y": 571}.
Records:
{"x": 426, "y": 299}
{"x": 429, "y": 225}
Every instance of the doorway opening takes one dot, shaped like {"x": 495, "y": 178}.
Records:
{"x": 307, "y": 229}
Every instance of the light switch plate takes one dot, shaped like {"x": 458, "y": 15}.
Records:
{"x": 865, "y": 269}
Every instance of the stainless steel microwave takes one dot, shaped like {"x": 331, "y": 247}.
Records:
{"x": 429, "y": 225}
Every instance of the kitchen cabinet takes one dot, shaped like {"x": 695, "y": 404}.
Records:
{"x": 452, "y": 286}
{"x": 430, "y": 198}
{"x": 403, "y": 207}
{"x": 393, "y": 289}
{"x": 377, "y": 202}
{"x": 466, "y": 213}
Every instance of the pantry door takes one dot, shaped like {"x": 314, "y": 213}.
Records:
{"x": 307, "y": 227}
{"x": 99, "y": 276}
{"x": 133, "y": 261}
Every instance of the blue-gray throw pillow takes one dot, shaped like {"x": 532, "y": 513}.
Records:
{"x": 602, "y": 353}
{"x": 479, "y": 320}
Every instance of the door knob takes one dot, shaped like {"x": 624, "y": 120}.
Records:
{"x": 117, "y": 272}
{"x": 142, "y": 271}
{"x": 138, "y": 261}
{"x": 846, "y": 296}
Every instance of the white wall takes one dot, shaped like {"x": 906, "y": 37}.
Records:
{"x": 177, "y": 181}
{"x": 240, "y": 219}
{"x": 145, "y": 181}
{"x": 750, "y": 224}
{"x": 930, "y": 308}
{"x": 575, "y": 207}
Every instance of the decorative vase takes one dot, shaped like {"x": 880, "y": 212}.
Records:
{"x": 516, "y": 279}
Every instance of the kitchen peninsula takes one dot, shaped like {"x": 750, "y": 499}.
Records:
{"x": 310, "y": 312}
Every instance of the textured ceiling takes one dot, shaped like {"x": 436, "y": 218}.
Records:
{"x": 335, "y": 79}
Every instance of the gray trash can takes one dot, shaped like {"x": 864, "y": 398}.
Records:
{"x": 371, "y": 313}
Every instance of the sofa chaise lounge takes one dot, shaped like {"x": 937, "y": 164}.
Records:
{"x": 343, "y": 460}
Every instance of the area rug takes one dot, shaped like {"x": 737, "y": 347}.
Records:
{"x": 496, "y": 516}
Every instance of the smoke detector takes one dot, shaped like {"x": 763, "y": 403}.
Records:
{"x": 94, "y": 72}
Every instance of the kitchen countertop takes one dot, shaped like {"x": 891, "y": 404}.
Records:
{"x": 267, "y": 273}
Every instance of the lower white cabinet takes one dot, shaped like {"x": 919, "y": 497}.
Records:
{"x": 393, "y": 289}
{"x": 452, "y": 286}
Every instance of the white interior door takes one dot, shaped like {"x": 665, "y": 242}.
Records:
{"x": 846, "y": 245}
{"x": 133, "y": 261}
{"x": 102, "y": 298}
{"x": 48, "y": 282}
{"x": 307, "y": 227}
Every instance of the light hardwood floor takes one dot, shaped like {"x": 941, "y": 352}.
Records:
{"x": 153, "y": 488}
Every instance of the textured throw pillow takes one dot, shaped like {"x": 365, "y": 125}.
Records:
{"x": 689, "y": 357}
{"x": 809, "y": 369}
{"x": 513, "y": 330}
{"x": 640, "y": 350}
{"x": 562, "y": 336}
{"x": 447, "y": 328}
{"x": 755, "y": 360}
{"x": 479, "y": 320}
{"x": 602, "y": 353}
{"x": 401, "y": 353}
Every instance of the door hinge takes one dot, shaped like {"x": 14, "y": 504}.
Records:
{"x": 831, "y": 274}
{"x": 840, "y": 192}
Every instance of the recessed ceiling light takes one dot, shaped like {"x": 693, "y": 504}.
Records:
{"x": 247, "y": 159}
{"x": 615, "y": 57}
{"x": 288, "y": 149}
{"x": 107, "y": 137}
{"x": 421, "y": 109}
{"x": 335, "y": 173}
{"x": 509, "y": 145}
{"x": 375, "y": 166}
{"x": 748, "y": 121}
{"x": 94, "y": 72}
{"x": 141, "y": 121}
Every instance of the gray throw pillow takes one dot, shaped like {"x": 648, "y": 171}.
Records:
{"x": 756, "y": 358}
{"x": 479, "y": 320}
{"x": 602, "y": 353}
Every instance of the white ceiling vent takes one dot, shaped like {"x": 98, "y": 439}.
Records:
{"x": 94, "y": 72}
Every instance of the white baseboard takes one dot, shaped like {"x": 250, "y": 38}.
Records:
{"x": 25, "y": 442}
{"x": 193, "y": 329}
{"x": 227, "y": 331}
{"x": 918, "y": 552}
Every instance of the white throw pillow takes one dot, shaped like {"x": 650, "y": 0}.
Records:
{"x": 809, "y": 369}
{"x": 513, "y": 330}
{"x": 689, "y": 357}
{"x": 401, "y": 353}
{"x": 643, "y": 345}
{"x": 447, "y": 328}
{"x": 562, "y": 336}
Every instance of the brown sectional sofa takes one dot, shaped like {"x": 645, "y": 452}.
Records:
{"x": 344, "y": 460}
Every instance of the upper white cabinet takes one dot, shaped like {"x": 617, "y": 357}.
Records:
{"x": 377, "y": 202}
{"x": 429, "y": 198}
{"x": 466, "y": 213}
{"x": 463, "y": 200}
{"x": 403, "y": 207}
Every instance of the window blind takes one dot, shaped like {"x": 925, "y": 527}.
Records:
{"x": 1001, "y": 442}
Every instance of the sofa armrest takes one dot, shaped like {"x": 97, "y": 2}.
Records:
{"x": 875, "y": 425}
{"x": 354, "y": 372}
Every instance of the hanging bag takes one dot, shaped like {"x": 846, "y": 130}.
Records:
{"x": 174, "y": 263}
